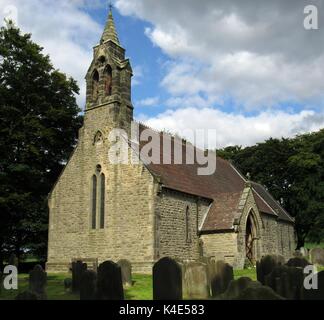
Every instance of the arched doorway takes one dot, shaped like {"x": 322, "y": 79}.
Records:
{"x": 250, "y": 239}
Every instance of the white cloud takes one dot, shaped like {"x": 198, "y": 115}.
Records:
{"x": 64, "y": 29}
{"x": 148, "y": 102}
{"x": 260, "y": 55}
{"x": 236, "y": 129}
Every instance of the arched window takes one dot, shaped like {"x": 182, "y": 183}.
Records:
{"x": 95, "y": 85}
{"x": 108, "y": 80}
{"x": 102, "y": 201}
{"x": 187, "y": 217}
{"x": 94, "y": 202}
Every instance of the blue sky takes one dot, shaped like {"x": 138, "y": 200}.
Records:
{"x": 249, "y": 71}
{"x": 147, "y": 60}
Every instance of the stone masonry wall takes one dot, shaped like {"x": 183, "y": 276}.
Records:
{"x": 221, "y": 246}
{"x": 279, "y": 237}
{"x": 129, "y": 205}
{"x": 171, "y": 225}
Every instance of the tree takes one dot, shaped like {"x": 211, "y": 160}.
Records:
{"x": 39, "y": 122}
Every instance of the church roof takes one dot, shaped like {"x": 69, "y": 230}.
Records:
{"x": 110, "y": 32}
{"x": 224, "y": 187}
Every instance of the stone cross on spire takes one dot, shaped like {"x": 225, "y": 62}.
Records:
{"x": 110, "y": 32}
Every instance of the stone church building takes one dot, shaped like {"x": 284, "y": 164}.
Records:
{"x": 142, "y": 212}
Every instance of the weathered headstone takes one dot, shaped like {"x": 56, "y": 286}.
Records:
{"x": 267, "y": 264}
{"x": 235, "y": 288}
{"x": 126, "y": 270}
{"x": 221, "y": 278}
{"x": 297, "y": 262}
{"x": 210, "y": 262}
{"x": 286, "y": 281}
{"x": 37, "y": 282}
{"x": 88, "y": 285}
{"x": 246, "y": 289}
{"x": 314, "y": 294}
{"x": 167, "y": 280}
{"x": 317, "y": 256}
{"x": 77, "y": 270}
{"x": 195, "y": 281}
{"x": 256, "y": 291}
{"x": 92, "y": 263}
{"x": 109, "y": 282}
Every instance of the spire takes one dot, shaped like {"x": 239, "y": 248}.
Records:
{"x": 110, "y": 32}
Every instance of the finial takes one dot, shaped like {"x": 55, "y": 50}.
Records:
{"x": 110, "y": 30}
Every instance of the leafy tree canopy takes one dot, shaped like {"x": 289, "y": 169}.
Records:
{"x": 39, "y": 122}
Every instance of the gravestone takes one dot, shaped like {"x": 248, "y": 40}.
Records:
{"x": 286, "y": 281}
{"x": 246, "y": 289}
{"x": 37, "y": 282}
{"x": 126, "y": 270}
{"x": 223, "y": 275}
{"x": 317, "y": 256}
{"x": 78, "y": 268}
{"x": 167, "y": 280}
{"x": 297, "y": 262}
{"x": 314, "y": 294}
{"x": 109, "y": 282}
{"x": 235, "y": 288}
{"x": 195, "y": 281}
{"x": 256, "y": 291}
{"x": 210, "y": 262}
{"x": 88, "y": 285}
{"x": 92, "y": 263}
{"x": 266, "y": 265}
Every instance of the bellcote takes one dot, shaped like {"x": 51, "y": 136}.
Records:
{"x": 109, "y": 76}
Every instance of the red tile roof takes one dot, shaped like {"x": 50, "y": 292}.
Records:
{"x": 224, "y": 187}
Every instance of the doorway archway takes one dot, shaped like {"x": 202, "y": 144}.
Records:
{"x": 251, "y": 237}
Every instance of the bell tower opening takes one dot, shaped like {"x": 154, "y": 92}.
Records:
{"x": 109, "y": 78}
{"x": 95, "y": 86}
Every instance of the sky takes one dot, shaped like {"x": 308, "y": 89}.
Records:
{"x": 247, "y": 68}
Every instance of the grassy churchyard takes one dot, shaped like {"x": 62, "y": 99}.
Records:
{"x": 142, "y": 289}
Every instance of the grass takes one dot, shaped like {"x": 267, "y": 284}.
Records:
{"x": 55, "y": 288}
{"x": 250, "y": 273}
{"x": 141, "y": 290}
{"x": 310, "y": 245}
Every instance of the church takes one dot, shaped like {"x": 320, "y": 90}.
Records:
{"x": 142, "y": 212}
